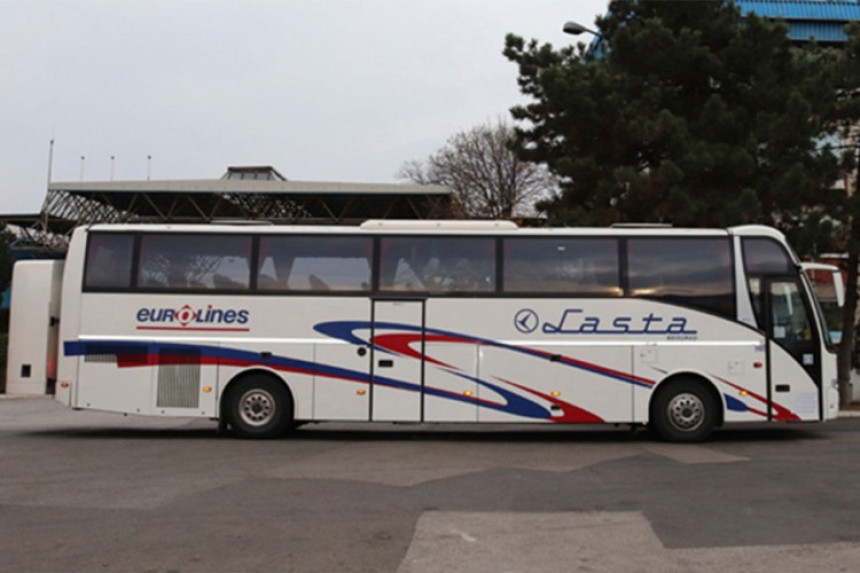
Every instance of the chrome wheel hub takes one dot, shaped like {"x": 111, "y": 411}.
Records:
{"x": 686, "y": 412}
{"x": 256, "y": 407}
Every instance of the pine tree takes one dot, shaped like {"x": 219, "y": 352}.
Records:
{"x": 692, "y": 114}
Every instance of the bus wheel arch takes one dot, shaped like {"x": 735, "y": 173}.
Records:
{"x": 257, "y": 404}
{"x": 685, "y": 408}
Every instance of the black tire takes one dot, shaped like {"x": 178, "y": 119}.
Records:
{"x": 258, "y": 407}
{"x": 684, "y": 411}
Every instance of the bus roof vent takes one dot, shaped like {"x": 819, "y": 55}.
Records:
{"x": 448, "y": 225}
{"x": 641, "y": 225}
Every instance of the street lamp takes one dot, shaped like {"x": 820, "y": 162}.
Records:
{"x": 575, "y": 29}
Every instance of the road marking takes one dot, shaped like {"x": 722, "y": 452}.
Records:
{"x": 476, "y": 542}
{"x": 464, "y": 536}
{"x": 690, "y": 454}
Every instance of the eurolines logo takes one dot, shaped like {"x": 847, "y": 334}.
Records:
{"x": 208, "y": 319}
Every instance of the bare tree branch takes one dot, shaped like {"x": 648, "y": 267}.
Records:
{"x": 487, "y": 178}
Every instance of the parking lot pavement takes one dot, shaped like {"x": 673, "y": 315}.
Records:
{"x": 84, "y": 491}
{"x": 476, "y": 542}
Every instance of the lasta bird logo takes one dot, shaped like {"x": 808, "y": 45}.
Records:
{"x": 526, "y": 321}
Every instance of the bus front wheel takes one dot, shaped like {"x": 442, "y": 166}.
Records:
{"x": 684, "y": 411}
{"x": 258, "y": 407}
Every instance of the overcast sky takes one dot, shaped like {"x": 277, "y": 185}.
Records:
{"x": 324, "y": 90}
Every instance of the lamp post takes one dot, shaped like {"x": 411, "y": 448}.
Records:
{"x": 595, "y": 49}
{"x": 575, "y": 29}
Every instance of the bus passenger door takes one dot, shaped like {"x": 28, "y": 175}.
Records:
{"x": 794, "y": 352}
{"x": 397, "y": 363}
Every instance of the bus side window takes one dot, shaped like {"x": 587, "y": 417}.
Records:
{"x": 195, "y": 262}
{"x": 788, "y": 314}
{"x": 274, "y": 267}
{"x": 406, "y": 279}
{"x": 696, "y": 272}
{"x": 108, "y": 262}
{"x": 563, "y": 265}
{"x": 316, "y": 264}
{"x": 762, "y": 257}
{"x": 438, "y": 265}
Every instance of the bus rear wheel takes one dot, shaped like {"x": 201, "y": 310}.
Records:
{"x": 258, "y": 407}
{"x": 684, "y": 411}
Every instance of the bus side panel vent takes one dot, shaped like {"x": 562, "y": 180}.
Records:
{"x": 100, "y": 358}
{"x": 178, "y": 379}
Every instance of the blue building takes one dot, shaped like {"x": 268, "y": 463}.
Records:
{"x": 821, "y": 20}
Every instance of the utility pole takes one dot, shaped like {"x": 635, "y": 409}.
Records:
{"x": 845, "y": 356}
{"x": 50, "y": 159}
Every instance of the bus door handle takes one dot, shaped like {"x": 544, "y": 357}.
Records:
{"x": 386, "y": 363}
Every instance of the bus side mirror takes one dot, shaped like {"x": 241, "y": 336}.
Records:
{"x": 836, "y": 277}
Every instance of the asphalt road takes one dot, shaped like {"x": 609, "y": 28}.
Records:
{"x": 85, "y": 491}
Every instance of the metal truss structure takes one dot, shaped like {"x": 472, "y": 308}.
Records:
{"x": 243, "y": 194}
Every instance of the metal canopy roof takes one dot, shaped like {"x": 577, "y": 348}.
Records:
{"x": 205, "y": 201}
{"x": 274, "y": 199}
{"x": 249, "y": 186}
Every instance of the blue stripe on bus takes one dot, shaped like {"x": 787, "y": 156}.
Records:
{"x": 514, "y": 404}
{"x": 345, "y": 330}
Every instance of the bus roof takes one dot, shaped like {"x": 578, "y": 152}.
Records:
{"x": 441, "y": 227}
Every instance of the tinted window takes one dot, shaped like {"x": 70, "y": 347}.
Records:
{"x": 109, "y": 259}
{"x": 766, "y": 257}
{"x": 562, "y": 265}
{"x": 693, "y": 272}
{"x": 789, "y": 321}
{"x": 438, "y": 265}
{"x": 316, "y": 263}
{"x": 195, "y": 262}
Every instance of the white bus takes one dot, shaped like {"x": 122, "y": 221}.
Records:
{"x": 264, "y": 328}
